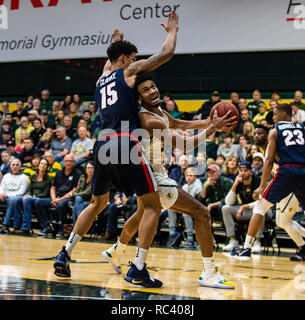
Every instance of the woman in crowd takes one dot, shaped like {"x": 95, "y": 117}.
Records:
{"x": 82, "y": 195}
{"x": 231, "y": 168}
{"x": 20, "y": 146}
{"x": 37, "y": 195}
{"x": 59, "y": 120}
{"x": 253, "y": 149}
{"x": 33, "y": 167}
{"x": 65, "y": 104}
{"x": 80, "y": 105}
{"x": 44, "y": 144}
{"x": 248, "y": 130}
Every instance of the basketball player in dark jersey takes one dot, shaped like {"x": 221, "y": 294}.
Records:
{"x": 287, "y": 142}
{"x": 117, "y": 104}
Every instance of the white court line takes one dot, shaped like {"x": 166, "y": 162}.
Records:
{"x": 50, "y": 296}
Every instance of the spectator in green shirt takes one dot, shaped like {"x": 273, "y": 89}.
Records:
{"x": 298, "y": 95}
{"x": 46, "y": 102}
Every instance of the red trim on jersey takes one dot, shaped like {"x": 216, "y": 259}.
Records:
{"x": 293, "y": 165}
{"x": 147, "y": 174}
{"x": 271, "y": 183}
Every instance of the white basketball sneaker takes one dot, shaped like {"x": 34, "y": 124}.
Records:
{"x": 114, "y": 259}
{"x": 233, "y": 244}
{"x": 215, "y": 280}
{"x": 256, "y": 247}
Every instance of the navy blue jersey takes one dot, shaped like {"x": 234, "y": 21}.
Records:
{"x": 290, "y": 144}
{"x": 117, "y": 102}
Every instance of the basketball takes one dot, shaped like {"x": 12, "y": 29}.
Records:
{"x": 224, "y": 107}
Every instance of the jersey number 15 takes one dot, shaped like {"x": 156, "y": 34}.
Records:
{"x": 109, "y": 95}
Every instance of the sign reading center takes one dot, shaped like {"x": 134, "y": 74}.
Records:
{"x": 128, "y": 11}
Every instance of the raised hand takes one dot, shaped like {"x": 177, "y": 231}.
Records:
{"x": 172, "y": 22}
{"x": 117, "y": 35}
{"x": 224, "y": 122}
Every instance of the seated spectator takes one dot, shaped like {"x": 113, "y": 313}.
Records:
{"x": 235, "y": 99}
{"x": 298, "y": 95}
{"x": 28, "y": 152}
{"x": 13, "y": 186}
{"x": 262, "y": 113}
{"x": 193, "y": 187}
{"x": 298, "y": 115}
{"x": 81, "y": 123}
{"x": 37, "y": 196}
{"x": 19, "y": 113}
{"x": 82, "y": 195}
{"x": 6, "y": 162}
{"x": 6, "y": 136}
{"x": 270, "y": 114}
{"x": 70, "y": 131}
{"x": 46, "y": 102}
{"x": 65, "y": 181}
{"x": 9, "y": 123}
{"x": 231, "y": 168}
{"x": 172, "y": 109}
{"x": 207, "y": 106}
{"x": 10, "y": 148}
{"x": 82, "y": 147}
{"x": 242, "y": 104}
{"x": 243, "y": 148}
{"x": 243, "y": 188}
{"x": 92, "y": 108}
{"x": 228, "y": 148}
{"x": 80, "y": 105}
{"x": 54, "y": 166}
{"x": 166, "y": 97}
{"x": 36, "y": 105}
{"x": 257, "y": 164}
{"x": 214, "y": 191}
{"x": 29, "y": 105}
{"x": 65, "y": 104}
{"x": 59, "y": 120}
{"x": 46, "y": 121}
{"x": 20, "y": 146}
{"x": 248, "y": 130}
{"x": 45, "y": 142}
{"x": 120, "y": 205}
{"x": 38, "y": 131}
{"x": 73, "y": 114}
{"x": 244, "y": 116}
{"x": 61, "y": 145}
{"x": 176, "y": 174}
{"x": 253, "y": 149}
{"x": 32, "y": 115}
{"x": 5, "y": 107}
{"x": 87, "y": 118}
{"x": 32, "y": 168}
{"x": 201, "y": 166}
{"x": 220, "y": 161}
{"x": 211, "y": 147}
{"x": 24, "y": 125}
{"x": 253, "y": 105}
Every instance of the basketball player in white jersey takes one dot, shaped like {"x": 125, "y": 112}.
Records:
{"x": 153, "y": 117}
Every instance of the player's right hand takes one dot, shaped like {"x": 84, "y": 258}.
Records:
{"x": 258, "y": 193}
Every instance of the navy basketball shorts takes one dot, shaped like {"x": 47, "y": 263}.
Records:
{"x": 119, "y": 164}
{"x": 288, "y": 179}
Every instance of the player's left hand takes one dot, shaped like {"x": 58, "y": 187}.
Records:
{"x": 117, "y": 35}
{"x": 258, "y": 193}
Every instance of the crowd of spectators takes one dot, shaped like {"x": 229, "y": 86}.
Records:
{"x": 46, "y": 146}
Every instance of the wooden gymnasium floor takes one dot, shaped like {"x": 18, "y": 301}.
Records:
{"x": 26, "y": 273}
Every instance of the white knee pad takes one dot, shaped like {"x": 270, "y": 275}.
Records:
{"x": 261, "y": 206}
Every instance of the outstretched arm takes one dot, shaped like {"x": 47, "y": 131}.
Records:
{"x": 166, "y": 53}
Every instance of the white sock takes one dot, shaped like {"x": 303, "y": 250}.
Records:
{"x": 140, "y": 258}
{"x": 72, "y": 241}
{"x": 208, "y": 264}
{"x": 249, "y": 242}
{"x": 118, "y": 248}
